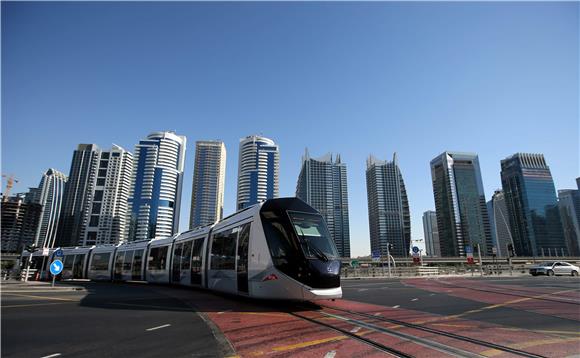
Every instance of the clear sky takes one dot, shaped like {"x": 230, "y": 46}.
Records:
{"x": 350, "y": 78}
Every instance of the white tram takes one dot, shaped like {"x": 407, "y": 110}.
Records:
{"x": 278, "y": 249}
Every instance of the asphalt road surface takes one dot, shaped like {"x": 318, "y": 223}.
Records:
{"x": 465, "y": 316}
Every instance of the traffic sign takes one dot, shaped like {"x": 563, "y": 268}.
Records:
{"x": 376, "y": 255}
{"x": 415, "y": 249}
{"x": 56, "y": 267}
{"x": 354, "y": 263}
{"x": 58, "y": 253}
{"x": 468, "y": 249}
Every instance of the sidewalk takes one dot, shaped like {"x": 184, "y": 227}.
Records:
{"x": 15, "y": 286}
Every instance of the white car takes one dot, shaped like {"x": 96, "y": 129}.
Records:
{"x": 552, "y": 268}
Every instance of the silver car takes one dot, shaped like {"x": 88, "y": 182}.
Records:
{"x": 552, "y": 268}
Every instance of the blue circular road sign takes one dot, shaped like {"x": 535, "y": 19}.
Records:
{"x": 56, "y": 267}
{"x": 415, "y": 249}
{"x": 58, "y": 253}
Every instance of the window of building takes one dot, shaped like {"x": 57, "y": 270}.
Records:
{"x": 94, "y": 222}
{"x": 96, "y": 208}
{"x": 104, "y": 164}
{"x": 100, "y": 181}
{"x": 98, "y": 195}
{"x": 105, "y": 155}
{"x": 102, "y": 172}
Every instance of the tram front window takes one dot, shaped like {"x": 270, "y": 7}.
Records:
{"x": 314, "y": 236}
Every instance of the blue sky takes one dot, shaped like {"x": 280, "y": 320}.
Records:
{"x": 350, "y": 78}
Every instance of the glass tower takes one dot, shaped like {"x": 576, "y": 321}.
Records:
{"x": 462, "y": 217}
{"x": 155, "y": 196}
{"x": 499, "y": 222}
{"x": 431, "y": 234}
{"x": 388, "y": 205}
{"x": 532, "y": 205}
{"x": 322, "y": 184}
{"x": 569, "y": 203}
{"x": 207, "y": 193}
{"x": 49, "y": 194}
{"x": 258, "y": 168}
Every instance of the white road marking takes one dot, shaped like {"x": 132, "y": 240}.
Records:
{"x": 355, "y": 329}
{"x": 158, "y": 327}
{"x": 397, "y": 306}
{"x": 432, "y": 294}
{"x": 330, "y": 354}
{"x": 222, "y": 312}
{"x": 415, "y": 299}
{"x": 52, "y": 355}
{"x": 378, "y": 314}
{"x": 362, "y": 289}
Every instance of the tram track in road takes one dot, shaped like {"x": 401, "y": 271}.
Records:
{"x": 457, "y": 337}
{"x": 381, "y": 347}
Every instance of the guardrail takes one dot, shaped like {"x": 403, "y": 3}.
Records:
{"x": 417, "y": 271}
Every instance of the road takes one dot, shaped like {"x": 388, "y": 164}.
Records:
{"x": 529, "y": 316}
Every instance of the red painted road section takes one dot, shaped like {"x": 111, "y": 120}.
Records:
{"x": 256, "y": 329}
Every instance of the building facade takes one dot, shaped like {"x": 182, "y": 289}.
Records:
{"x": 569, "y": 204}
{"x": 20, "y": 219}
{"x": 499, "y": 222}
{"x": 156, "y": 184}
{"x": 258, "y": 168}
{"x": 81, "y": 179}
{"x": 532, "y": 205}
{"x": 105, "y": 214}
{"x": 462, "y": 217}
{"x": 49, "y": 195}
{"x": 388, "y": 207}
{"x": 322, "y": 184}
{"x": 431, "y": 234}
{"x": 207, "y": 192}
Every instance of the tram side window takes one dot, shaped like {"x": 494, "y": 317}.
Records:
{"x": 196, "y": 256}
{"x": 186, "y": 255}
{"x": 282, "y": 247}
{"x": 128, "y": 261}
{"x": 158, "y": 258}
{"x": 100, "y": 261}
{"x": 223, "y": 250}
{"x": 68, "y": 262}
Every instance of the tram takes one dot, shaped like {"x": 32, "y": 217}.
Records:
{"x": 277, "y": 249}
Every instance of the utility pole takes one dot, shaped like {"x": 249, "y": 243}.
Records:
{"x": 389, "y": 258}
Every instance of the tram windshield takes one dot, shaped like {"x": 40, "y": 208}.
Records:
{"x": 314, "y": 237}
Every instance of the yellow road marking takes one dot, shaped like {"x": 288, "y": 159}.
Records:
{"x": 263, "y": 314}
{"x": 308, "y": 343}
{"x": 42, "y": 297}
{"x": 543, "y": 331}
{"x": 36, "y": 304}
{"x": 452, "y": 325}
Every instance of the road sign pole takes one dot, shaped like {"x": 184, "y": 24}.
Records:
{"x": 53, "y": 277}
{"x": 389, "y": 260}
{"x": 480, "y": 263}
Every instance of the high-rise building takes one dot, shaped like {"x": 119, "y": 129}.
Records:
{"x": 462, "y": 217}
{"x": 207, "y": 192}
{"x": 105, "y": 215}
{"x": 49, "y": 195}
{"x": 389, "y": 216}
{"x": 322, "y": 184}
{"x": 532, "y": 205}
{"x": 569, "y": 203}
{"x": 499, "y": 223}
{"x": 155, "y": 195}
{"x": 19, "y": 220}
{"x": 258, "y": 168}
{"x": 82, "y": 176}
{"x": 431, "y": 234}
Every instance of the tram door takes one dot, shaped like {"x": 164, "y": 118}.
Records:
{"x": 176, "y": 269}
{"x": 242, "y": 264}
{"x": 137, "y": 263}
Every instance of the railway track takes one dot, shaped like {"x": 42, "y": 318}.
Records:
{"x": 423, "y": 341}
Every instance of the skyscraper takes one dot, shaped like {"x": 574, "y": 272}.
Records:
{"x": 532, "y": 205}
{"x": 499, "y": 222}
{"x": 322, "y": 184}
{"x": 258, "y": 168}
{"x": 431, "y": 233}
{"x": 155, "y": 195}
{"x": 49, "y": 195}
{"x": 207, "y": 193}
{"x": 19, "y": 219}
{"x": 462, "y": 217}
{"x": 389, "y": 217}
{"x": 105, "y": 216}
{"x": 569, "y": 203}
{"x": 81, "y": 178}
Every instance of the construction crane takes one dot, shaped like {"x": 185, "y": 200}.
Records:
{"x": 10, "y": 181}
